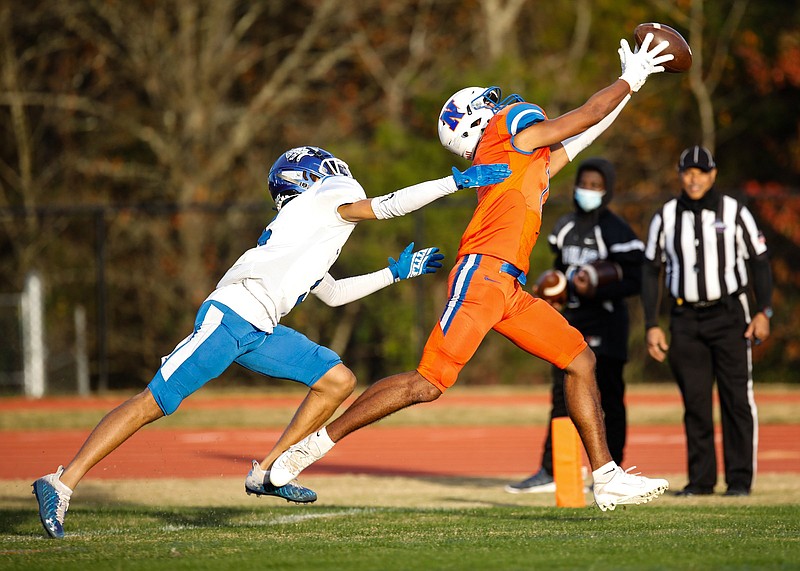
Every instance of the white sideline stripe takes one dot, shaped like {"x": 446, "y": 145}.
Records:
{"x": 171, "y": 527}
{"x": 280, "y": 520}
{"x": 303, "y": 517}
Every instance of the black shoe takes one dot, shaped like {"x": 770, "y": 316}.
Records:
{"x": 737, "y": 492}
{"x": 688, "y": 492}
{"x": 540, "y": 482}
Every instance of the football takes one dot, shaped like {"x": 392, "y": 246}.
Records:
{"x": 678, "y": 46}
{"x": 551, "y": 286}
{"x": 596, "y": 274}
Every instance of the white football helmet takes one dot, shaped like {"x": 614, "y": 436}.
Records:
{"x": 464, "y": 117}
{"x": 466, "y": 114}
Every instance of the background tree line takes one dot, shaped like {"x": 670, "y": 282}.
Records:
{"x": 144, "y": 130}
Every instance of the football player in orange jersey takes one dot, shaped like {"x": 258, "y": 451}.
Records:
{"x": 485, "y": 286}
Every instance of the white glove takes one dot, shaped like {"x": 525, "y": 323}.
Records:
{"x": 636, "y": 66}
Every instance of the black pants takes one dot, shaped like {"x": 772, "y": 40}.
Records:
{"x": 612, "y": 399}
{"x": 708, "y": 344}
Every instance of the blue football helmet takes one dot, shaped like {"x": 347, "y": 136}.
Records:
{"x": 297, "y": 169}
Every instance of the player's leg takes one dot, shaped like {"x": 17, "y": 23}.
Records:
{"x": 288, "y": 354}
{"x": 381, "y": 399}
{"x": 322, "y": 400}
{"x": 114, "y": 429}
{"x": 200, "y": 357}
{"x": 612, "y": 486}
{"x": 583, "y": 404}
{"x": 54, "y": 491}
{"x": 473, "y": 306}
{"x": 536, "y": 327}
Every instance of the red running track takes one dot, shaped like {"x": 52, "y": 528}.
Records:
{"x": 405, "y": 451}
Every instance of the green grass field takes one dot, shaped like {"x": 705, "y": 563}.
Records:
{"x": 358, "y": 537}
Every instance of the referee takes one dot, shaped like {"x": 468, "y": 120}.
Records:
{"x": 713, "y": 252}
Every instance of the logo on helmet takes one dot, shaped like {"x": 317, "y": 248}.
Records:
{"x": 296, "y": 154}
{"x": 451, "y": 115}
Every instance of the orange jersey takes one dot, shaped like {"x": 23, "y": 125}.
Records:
{"x": 508, "y": 216}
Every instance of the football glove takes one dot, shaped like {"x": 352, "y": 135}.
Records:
{"x": 481, "y": 175}
{"x": 636, "y": 66}
{"x": 411, "y": 265}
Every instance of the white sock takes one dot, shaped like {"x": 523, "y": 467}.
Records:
{"x": 61, "y": 486}
{"x": 322, "y": 440}
{"x": 604, "y": 473}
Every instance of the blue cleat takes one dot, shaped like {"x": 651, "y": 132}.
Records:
{"x": 257, "y": 482}
{"x": 53, "y": 498}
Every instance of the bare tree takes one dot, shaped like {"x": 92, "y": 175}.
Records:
{"x": 21, "y": 182}
{"x": 501, "y": 17}
{"x": 707, "y": 69}
{"x": 395, "y": 62}
{"x": 186, "y": 60}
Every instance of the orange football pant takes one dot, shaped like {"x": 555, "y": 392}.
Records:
{"x": 483, "y": 295}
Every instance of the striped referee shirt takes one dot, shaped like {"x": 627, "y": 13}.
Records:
{"x": 706, "y": 250}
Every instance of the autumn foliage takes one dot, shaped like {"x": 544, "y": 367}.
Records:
{"x": 135, "y": 138}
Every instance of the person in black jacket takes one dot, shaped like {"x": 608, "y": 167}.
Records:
{"x": 709, "y": 243}
{"x": 593, "y": 232}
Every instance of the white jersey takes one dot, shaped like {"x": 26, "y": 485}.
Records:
{"x": 294, "y": 253}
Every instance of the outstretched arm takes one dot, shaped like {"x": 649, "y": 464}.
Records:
{"x": 572, "y": 132}
{"x": 409, "y": 264}
{"x": 563, "y": 152}
{"x": 553, "y": 131}
{"x": 409, "y": 199}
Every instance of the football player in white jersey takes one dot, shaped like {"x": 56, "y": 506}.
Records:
{"x": 319, "y": 204}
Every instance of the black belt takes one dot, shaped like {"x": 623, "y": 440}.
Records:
{"x": 680, "y": 302}
{"x": 514, "y": 271}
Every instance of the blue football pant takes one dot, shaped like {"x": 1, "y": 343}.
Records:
{"x": 222, "y": 337}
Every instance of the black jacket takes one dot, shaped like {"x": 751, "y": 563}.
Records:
{"x": 579, "y": 238}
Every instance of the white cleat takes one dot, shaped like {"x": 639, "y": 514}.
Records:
{"x": 296, "y": 459}
{"x": 624, "y": 488}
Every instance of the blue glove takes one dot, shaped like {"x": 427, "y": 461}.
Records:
{"x": 410, "y": 265}
{"x": 481, "y": 175}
